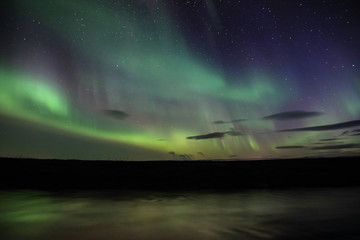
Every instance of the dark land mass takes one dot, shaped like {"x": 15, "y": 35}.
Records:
{"x": 178, "y": 175}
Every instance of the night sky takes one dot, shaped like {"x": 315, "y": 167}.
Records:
{"x": 166, "y": 79}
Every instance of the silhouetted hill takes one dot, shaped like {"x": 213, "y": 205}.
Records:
{"x": 78, "y": 174}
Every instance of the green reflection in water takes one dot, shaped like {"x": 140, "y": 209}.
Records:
{"x": 257, "y": 214}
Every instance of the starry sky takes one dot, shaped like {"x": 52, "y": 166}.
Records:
{"x": 168, "y": 79}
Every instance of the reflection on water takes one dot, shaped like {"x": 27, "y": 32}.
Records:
{"x": 258, "y": 214}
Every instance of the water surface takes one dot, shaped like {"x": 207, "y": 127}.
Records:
{"x": 329, "y": 213}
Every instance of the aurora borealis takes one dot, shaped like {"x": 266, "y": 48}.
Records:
{"x": 137, "y": 80}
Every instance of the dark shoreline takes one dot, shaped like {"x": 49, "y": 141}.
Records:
{"x": 178, "y": 175}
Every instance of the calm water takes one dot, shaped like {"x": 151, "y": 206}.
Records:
{"x": 259, "y": 214}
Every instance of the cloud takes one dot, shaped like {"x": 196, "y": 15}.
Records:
{"x": 292, "y": 115}
{"x": 335, "y": 147}
{"x": 330, "y": 139}
{"x": 328, "y": 143}
{"x": 208, "y": 136}
{"x": 356, "y": 130}
{"x": 290, "y": 147}
{"x": 232, "y": 132}
{"x": 325, "y": 127}
{"x": 219, "y": 122}
{"x": 116, "y": 114}
{"x": 355, "y": 134}
{"x": 344, "y": 133}
{"x": 202, "y": 154}
{"x": 231, "y": 121}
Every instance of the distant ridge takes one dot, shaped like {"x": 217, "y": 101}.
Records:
{"x": 177, "y": 175}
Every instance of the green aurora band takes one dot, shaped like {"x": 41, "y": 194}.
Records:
{"x": 170, "y": 90}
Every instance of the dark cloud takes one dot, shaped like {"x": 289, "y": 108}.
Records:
{"x": 184, "y": 157}
{"x": 335, "y": 147}
{"x": 328, "y": 142}
{"x": 219, "y": 122}
{"x": 356, "y": 130}
{"x": 344, "y": 133}
{"x": 208, "y": 136}
{"x": 289, "y": 147}
{"x": 231, "y": 121}
{"x": 330, "y": 139}
{"x": 180, "y": 156}
{"x": 202, "y": 154}
{"x": 116, "y": 114}
{"x": 292, "y": 115}
{"x": 355, "y": 134}
{"x": 325, "y": 127}
{"x": 232, "y": 132}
